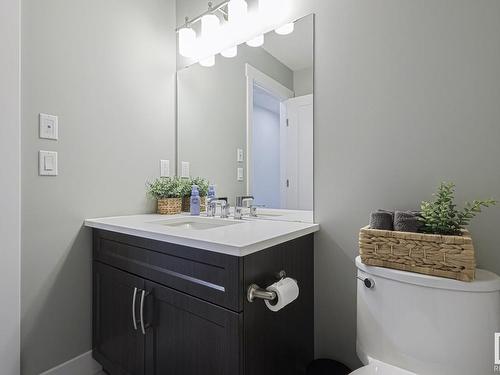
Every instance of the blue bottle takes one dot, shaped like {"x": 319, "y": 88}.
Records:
{"x": 195, "y": 201}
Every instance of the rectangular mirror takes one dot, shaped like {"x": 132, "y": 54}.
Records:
{"x": 246, "y": 123}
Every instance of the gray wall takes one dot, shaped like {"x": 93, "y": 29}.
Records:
{"x": 10, "y": 195}
{"x": 303, "y": 81}
{"x": 407, "y": 94}
{"x": 107, "y": 69}
{"x": 212, "y": 115}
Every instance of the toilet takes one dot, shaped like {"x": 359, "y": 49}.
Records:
{"x": 408, "y": 323}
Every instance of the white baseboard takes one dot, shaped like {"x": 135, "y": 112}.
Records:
{"x": 84, "y": 364}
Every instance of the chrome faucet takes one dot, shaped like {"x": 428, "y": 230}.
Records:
{"x": 212, "y": 207}
{"x": 240, "y": 203}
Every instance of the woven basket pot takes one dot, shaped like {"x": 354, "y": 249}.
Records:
{"x": 452, "y": 257}
{"x": 169, "y": 206}
{"x": 186, "y": 204}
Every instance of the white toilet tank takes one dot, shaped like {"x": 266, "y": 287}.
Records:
{"x": 428, "y": 325}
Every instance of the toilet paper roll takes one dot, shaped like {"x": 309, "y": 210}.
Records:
{"x": 287, "y": 291}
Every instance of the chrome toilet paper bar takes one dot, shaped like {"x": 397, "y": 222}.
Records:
{"x": 255, "y": 291}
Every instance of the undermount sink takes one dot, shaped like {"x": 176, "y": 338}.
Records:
{"x": 196, "y": 223}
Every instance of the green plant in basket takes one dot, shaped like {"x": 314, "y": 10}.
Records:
{"x": 441, "y": 216}
{"x": 202, "y": 184}
{"x": 165, "y": 187}
{"x": 187, "y": 185}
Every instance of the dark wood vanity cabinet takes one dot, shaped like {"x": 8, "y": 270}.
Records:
{"x": 193, "y": 308}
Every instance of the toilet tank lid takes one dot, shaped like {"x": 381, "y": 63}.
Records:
{"x": 485, "y": 281}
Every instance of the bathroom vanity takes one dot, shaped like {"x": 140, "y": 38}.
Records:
{"x": 170, "y": 296}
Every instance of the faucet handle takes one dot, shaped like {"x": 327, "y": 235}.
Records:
{"x": 253, "y": 209}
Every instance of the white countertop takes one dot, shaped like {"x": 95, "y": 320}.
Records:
{"x": 244, "y": 237}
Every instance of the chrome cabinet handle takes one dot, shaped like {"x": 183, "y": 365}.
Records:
{"x": 134, "y": 320}
{"x": 143, "y": 294}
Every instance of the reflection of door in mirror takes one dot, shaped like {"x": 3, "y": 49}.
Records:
{"x": 297, "y": 153}
{"x": 280, "y": 147}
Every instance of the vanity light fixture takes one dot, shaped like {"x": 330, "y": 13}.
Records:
{"x": 237, "y": 10}
{"x": 257, "y": 41}
{"x": 208, "y": 62}
{"x": 241, "y": 26}
{"x": 187, "y": 40}
{"x": 230, "y": 52}
{"x": 209, "y": 29}
{"x": 285, "y": 29}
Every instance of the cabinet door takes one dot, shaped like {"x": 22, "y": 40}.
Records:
{"x": 117, "y": 344}
{"x": 190, "y": 336}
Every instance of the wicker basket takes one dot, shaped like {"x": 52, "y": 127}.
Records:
{"x": 169, "y": 206}
{"x": 446, "y": 256}
{"x": 186, "y": 204}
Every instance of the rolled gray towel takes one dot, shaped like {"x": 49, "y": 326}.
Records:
{"x": 381, "y": 220}
{"x": 407, "y": 221}
{"x": 387, "y": 211}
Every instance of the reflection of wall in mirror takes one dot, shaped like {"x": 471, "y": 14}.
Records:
{"x": 212, "y": 116}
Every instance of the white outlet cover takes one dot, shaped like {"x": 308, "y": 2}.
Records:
{"x": 165, "y": 168}
{"x": 47, "y": 163}
{"x": 185, "y": 169}
{"x": 48, "y": 126}
{"x": 240, "y": 174}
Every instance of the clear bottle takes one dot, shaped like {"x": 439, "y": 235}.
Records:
{"x": 195, "y": 201}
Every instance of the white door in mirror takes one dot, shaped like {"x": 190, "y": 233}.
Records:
{"x": 297, "y": 154}
{"x": 47, "y": 163}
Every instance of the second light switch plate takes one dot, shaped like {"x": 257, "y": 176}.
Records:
{"x": 47, "y": 163}
{"x": 240, "y": 174}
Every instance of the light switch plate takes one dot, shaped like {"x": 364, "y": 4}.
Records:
{"x": 185, "y": 169}
{"x": 240, "y": 174}
{"x": 48, "y": 126}
{"x": 47, "y": 163}
{"x": 165, "y": 168}
{"x": 239, "y": 155}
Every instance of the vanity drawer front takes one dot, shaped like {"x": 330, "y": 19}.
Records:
{"x": 207, "y": 275}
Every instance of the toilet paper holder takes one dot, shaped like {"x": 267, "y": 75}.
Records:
{"x": 255, "y": 291}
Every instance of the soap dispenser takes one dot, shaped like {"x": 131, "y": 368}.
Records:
{"x": 211, "y": 193}
{"x": 195, "y": 201}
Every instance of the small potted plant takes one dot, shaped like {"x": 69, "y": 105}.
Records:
{"x": 167, "y": 191}
{"x": 442, "y": 216}
{"x": 202, "y": 184}
{"x": 443, "y": 247}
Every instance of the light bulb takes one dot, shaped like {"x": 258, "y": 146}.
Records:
{"x": 257, "y": 41}
{"x": 285, "y": 29}
{"x": 208, "y": 62}
{"x": 269, "y": 6}
{"x": 237, "y": 10}
{"x": 230, "y": 52}
{"x": 187, "y": 38}
{"x": 209, "y": 25}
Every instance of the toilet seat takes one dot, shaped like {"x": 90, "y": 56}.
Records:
{"x": 380, "y": 368}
